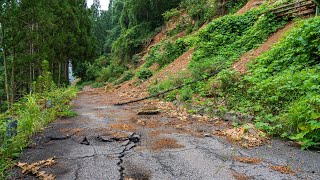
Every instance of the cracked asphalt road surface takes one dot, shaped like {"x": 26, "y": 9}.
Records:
{"x": 106, "y": 142}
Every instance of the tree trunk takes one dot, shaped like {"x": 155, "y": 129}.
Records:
{"x": 32, "y": 60}
{"x": 12, "y": 81}
{"x": 6, "y": 77}
{"x": 30, "y": 78}
{"x": 5, "y": 66}
{"x": 59, "y": 74}
{"x": 33, "y": 72}
{"x": 66, "y": 71}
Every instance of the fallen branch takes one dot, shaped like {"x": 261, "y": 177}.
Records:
{"x": 169, "y": 90}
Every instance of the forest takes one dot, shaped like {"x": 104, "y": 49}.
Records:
{"x": 33, "y": 31}
{"x": 271, "y": 79}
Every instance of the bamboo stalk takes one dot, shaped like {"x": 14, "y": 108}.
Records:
{"x": 287, "y": 5}
{"x": 295, "y": 7}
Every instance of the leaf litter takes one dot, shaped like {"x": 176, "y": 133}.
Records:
{"x": 246, "y": 135}
{"x": 165, "y": 143}
{"x": 283, "y": 169}
{"x": 34, "y": 168}
{"x": 247, "y": 160}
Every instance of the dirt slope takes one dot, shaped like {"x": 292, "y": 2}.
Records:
{"x": 251, "y": 4}
{"x": 178, "y": 65}
{"x": 130, "y": 91}
{"x": 249, "y": 56}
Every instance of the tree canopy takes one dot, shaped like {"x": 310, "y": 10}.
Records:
{"x": 35, "y": 30}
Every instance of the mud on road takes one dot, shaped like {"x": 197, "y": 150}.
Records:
{"x": 107, "y": 142}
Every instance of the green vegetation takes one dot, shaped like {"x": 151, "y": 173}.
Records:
{"x": 122, "y": 32}
{"x": 31, "y": 31}
{"x": 144, "y": 74}
{"x": 192, "y": 14}
{"x": 282, "y": 88}
{"x": 224, "y": 40}
{"x": 33, "y": 112}
{"x": 32, "y": 90}
{"x": 166, "y": 52}
{"x": 285, "y": 82}
{"x": 127, "y": 26}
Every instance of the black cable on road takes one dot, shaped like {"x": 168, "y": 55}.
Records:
{"x": 169, "y": 90}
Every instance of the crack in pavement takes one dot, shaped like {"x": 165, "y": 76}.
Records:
{"x": 133, "y": 139}
{"x": 76, "y": 174}
{"x": 52, "y": 138}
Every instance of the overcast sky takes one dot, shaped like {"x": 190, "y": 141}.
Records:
{"x": 104, "y": 4}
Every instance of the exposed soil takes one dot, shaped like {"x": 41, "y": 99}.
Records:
{"x": 132, "y": 90}
{"x": 158, "y": 38}
{"x": 250, "y": 4}
{"x": 241, "y": 65}
{"x": 177, "y": 66}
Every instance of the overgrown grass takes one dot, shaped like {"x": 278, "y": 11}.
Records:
{"x": 33, "y": 112}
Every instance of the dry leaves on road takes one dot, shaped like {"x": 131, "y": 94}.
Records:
{"x": 35, "y": 167}
{"x": 283, "y": 169}
{"x": 240, "y": 176}
{"x": 123, "y": 126}
{"x": 165, "y": 143}
{"x": 247, "y": 160}
{"x": 247, "y": 135}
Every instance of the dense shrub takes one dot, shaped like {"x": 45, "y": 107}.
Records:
{"x": 33, "y": 112}
{"x": 111, "y": 73}
{"x": 131, "y": 42}
{"x": 227, "y": 38}
{"x": 283, "y": 86}
{"x": 144, "y": 73}
{"x": 285, "y": 81}
{"x": 125, "y": 77}
{"x": 166, "y": 52}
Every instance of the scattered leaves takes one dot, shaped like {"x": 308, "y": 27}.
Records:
{"x": 247, "y": 160}
{"x": 119, "y": 135}
{"x": 247, "y": 135}
{"x": 125, "y": 127}
{"x": 239, "y": 176}
{"x": 35, "y": 167}
{"x": 283, "y": 169}
{"x": 141, "y": 122}
{"x": 165, "y": 143}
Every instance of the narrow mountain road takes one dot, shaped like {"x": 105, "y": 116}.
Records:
{"x": 106, "y": 142}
